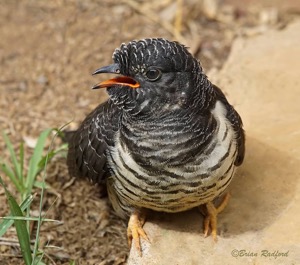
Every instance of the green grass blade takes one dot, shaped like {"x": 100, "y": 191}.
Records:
{"x": 7, "y": 223}
{"x": 39, "y": 258}
{"x": 41, "y": 185}
{"x": 59, "y": 131}
{"x": 40, "y": 262}
{"x": 20, "y": 225}
{"x": 21, "y": 161}
{"x": 35, "y": 249}
{"x": 13, "y": 156}
{"x": 29, "y": 219}
{"x": 45, "y": 158}
{"x": 7, "y": 170}
{"x": 60, "y": 150}
{"x": 34, "y": 168}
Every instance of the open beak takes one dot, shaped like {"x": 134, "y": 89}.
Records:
{"x": 121, "y": 80}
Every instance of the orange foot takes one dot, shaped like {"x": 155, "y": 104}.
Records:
{"x": 135, "y": 230}
{"x": 210, "y": 219}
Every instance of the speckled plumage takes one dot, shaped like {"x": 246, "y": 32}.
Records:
{"x": 169, "y": 145}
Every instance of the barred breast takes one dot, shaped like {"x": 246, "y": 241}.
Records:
{"x": 183, "y": 170}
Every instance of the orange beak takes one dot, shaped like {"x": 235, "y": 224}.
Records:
{"x": 121, "y": 80}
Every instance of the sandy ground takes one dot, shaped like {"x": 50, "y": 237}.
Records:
{"x": 48, "y": 50}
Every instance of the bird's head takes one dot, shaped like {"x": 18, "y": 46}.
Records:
{"x": 153, "y": 74}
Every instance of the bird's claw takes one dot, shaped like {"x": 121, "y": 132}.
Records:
{"x": 210, "y": 220}
{"x": 135, "y": 231}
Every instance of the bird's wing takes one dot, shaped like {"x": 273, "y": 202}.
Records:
{"x": 88, "y": 145}
{"x": 236, "y": 123}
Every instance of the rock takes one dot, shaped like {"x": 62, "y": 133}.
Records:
{"x": 261, "y": 223}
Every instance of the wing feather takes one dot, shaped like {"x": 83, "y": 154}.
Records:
{"x": 237, "y": 125}
{"x": 88, "y": 145}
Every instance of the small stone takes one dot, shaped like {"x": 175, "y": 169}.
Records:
{"x": 42, "y": 80}
{"x": 269, "y": 16}
{"x": 30, "y": 141}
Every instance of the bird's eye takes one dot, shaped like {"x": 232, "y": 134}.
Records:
{"x": 153, "y": 74}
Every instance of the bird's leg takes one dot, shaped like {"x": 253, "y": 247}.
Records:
{"x": 135, "y": 229}
{"x": 210, "y": 219}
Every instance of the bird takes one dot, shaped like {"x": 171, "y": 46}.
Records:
{"x": 166, "y": 140}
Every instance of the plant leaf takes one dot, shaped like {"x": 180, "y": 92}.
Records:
{"x": 47, "y": 158}
{"x": 7, "y": 170}
{"x": 61, "y": 149}
{"x": 34, "y": 168}
{"x": 21, "y": 161}
{"x": 41, "y": 184}
{"x": 13, "y": 156}
{"x": 7, "y": 223}
{"x": 20, "y": 225}
{"x": 29, "y": 219}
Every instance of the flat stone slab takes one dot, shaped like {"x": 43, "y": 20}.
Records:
{"x": 261, "y": 223}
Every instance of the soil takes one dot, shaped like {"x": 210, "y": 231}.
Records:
{"x": 48, "y": 49}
